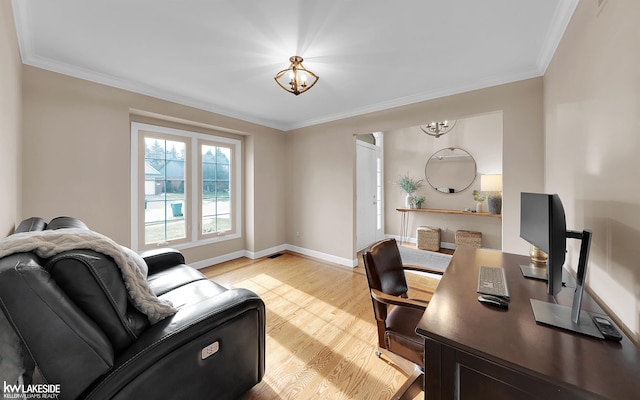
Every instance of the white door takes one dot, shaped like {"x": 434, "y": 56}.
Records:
{"x": 366, "y": 199}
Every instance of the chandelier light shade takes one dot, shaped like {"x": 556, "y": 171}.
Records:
{"x": 296, "y": 79}
{"x": 438, "y": 129}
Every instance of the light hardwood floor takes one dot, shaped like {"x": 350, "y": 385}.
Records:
{"x": 321, "y": 336}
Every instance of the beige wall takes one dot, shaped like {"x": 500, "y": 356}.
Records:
{"x": 266, "y": 190}
{"x": 592, "y": 123}
{"x": 320, "y": 193}
{"x": 407, "y": 150}
{"x": 10, "y": 121}
{"x": 77, "y": 159}
{"x": 321, "y": 204}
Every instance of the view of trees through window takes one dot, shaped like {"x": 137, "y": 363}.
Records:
{"x": 166, "y": 205}
{"x": 164, "y": 190}
{"x": 216, "y": 207}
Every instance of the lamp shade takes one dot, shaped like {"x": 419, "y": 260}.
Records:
{"x": 491, "y": 183}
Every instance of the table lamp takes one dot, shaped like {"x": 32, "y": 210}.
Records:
{"x": 492, "y": 184}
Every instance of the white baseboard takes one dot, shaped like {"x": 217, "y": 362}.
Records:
{"x": 324, "y": 256}
{"x": 447, "y": 245}
{"x": 267, "y": 252}
{"x": 219, "y": 259}
{"x": 301, "y": 250}
{"x": 263, "y": 253}
{"x": 400, "y": 239}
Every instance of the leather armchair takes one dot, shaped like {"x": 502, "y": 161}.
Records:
{"x": 82, "y": 332}
{"x": 396, "y": 314}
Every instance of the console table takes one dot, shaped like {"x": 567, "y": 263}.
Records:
{"x": 473, "y": 351}
{"x": 404, "y": 223}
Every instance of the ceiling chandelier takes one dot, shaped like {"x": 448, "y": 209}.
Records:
{"x": 438, "y": 129}
{"x": 294, "y": 79}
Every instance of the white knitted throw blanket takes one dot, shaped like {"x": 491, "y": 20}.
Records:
{"x": 133, "y": 268}
{"x": 49, "y": 243}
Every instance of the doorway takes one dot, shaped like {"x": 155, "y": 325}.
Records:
{"x": 369, "y": 190}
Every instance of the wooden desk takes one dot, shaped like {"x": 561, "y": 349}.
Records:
{"x": 477, "y": 352}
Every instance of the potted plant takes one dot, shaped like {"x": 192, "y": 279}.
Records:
{"x": 417, "y": 201}
{"x": 479, "y": 199}
{"x": 409, "y": 186}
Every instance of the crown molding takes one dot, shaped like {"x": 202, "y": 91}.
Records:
{"x": 560, "y": 21}
{"x": 435, "y": 94}
{"x": 123, "y": 84}
{"x": 562, "y": 16}
{"x": 135, "y": 87}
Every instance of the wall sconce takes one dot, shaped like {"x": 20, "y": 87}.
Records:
{"x": 492, "y": 184}
{"x": 294, "y": 79}
{"x": 438, "y": 129}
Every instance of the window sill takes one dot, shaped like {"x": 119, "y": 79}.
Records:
{"x": 197, "y": 243}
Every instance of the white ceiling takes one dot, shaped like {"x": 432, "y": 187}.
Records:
{"x": 221, "y": 56}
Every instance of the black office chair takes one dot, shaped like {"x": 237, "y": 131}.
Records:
{"x": 396, "y": 314}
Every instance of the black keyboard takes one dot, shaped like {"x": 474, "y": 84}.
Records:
{"x": 492, "y": 280}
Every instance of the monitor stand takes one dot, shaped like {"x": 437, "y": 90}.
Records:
{"x": 534, "y": 272}
{"x": 570, "y": 318}
{"x": 560, "y": 316}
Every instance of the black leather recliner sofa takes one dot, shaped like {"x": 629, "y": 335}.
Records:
{"x": 82, "y": 332}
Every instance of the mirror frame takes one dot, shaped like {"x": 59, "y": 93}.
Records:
{"x": 456, "y": 190}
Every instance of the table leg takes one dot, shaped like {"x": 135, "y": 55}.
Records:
{"x": 404, "y": 227}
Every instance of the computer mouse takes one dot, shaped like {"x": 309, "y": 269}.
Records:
{"x": 493, "y": 301}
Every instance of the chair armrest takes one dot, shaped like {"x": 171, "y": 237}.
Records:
{"x": 159, "y": 259}
{"x": 398, "y": 301}
{"x": 423, "y": 269}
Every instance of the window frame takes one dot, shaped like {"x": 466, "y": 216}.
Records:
{"x": 142, "y": 134}
{"x": 193, "y": 185}
{"x": 232, "y": 186}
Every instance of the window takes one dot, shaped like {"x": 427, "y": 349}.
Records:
{"x": 185, "y": 187}
{"x": 214, "y": 188}
{"x": 165, "y": 173}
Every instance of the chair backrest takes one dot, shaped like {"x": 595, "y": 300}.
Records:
{"x": 68, "y": 347}
{"x": 383, "y": 265}
{"x": 384, "y": 268}
{"x": 74, "y": 304}
{"x": 31, "y": 224}
{"x": 94, "y": 283}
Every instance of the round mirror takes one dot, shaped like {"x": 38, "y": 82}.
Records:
{"x": 450, "y": 170}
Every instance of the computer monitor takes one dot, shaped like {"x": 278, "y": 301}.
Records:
{"x": 543, "y": 224}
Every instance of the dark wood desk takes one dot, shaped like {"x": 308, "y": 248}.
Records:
{"x": 478, "y": 352}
